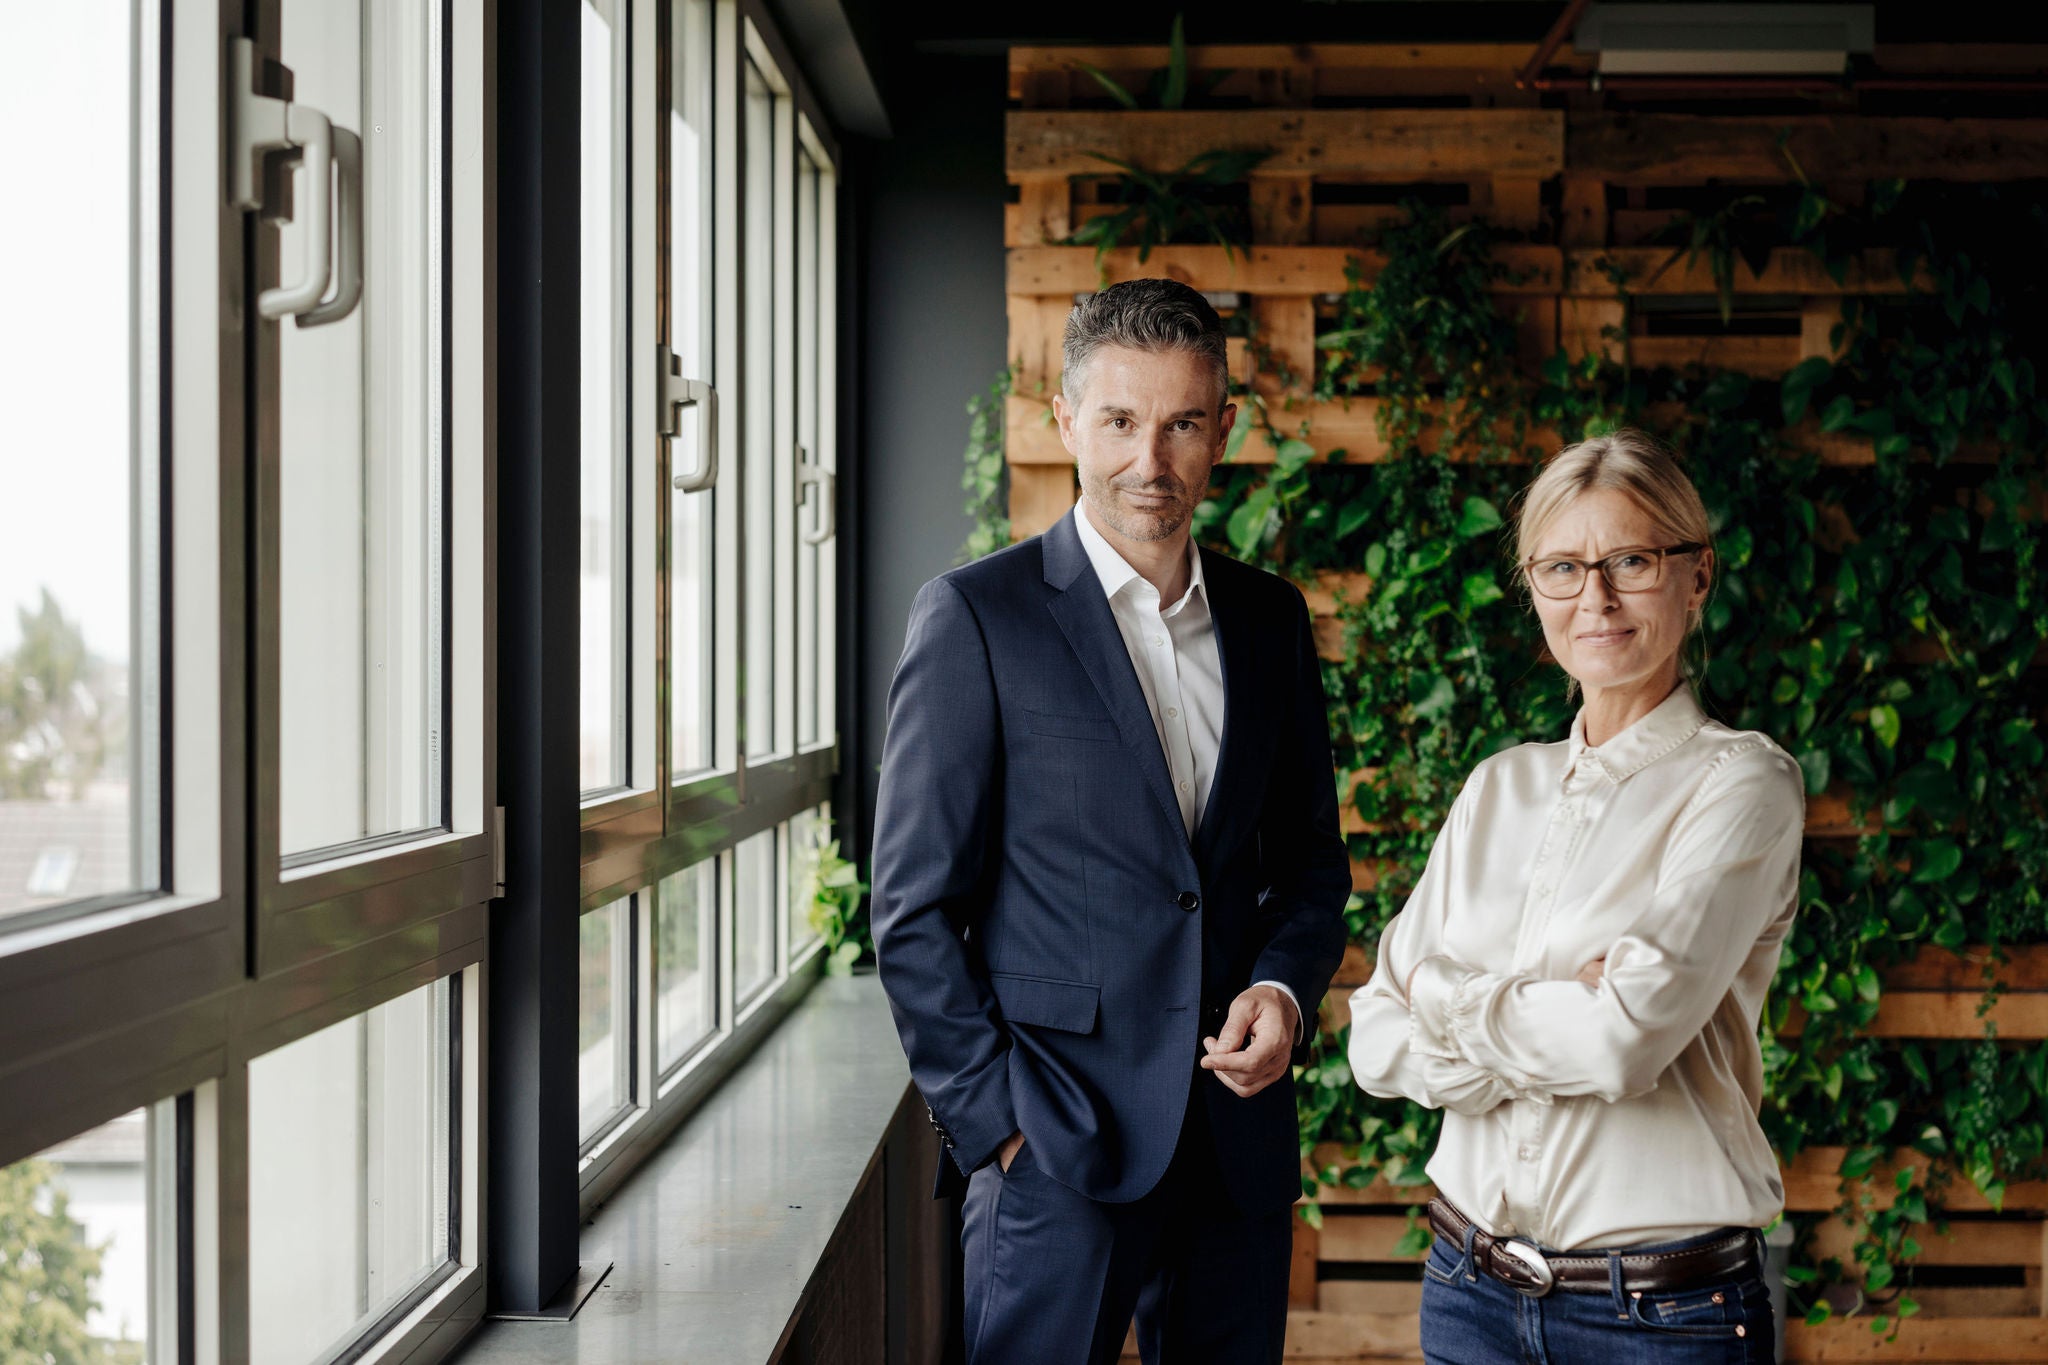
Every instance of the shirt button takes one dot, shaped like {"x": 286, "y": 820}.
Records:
{"x": 1158, "y": 640}
{"x": 1187, "y": 786}
{"x": 1507, "y": 1229}
{"x": 1526, "y": 1153}
{"x": 1173, "y": 713}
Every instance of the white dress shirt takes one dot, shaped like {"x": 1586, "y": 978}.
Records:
{"x": 1621, "y": 1113}
{"x": 1174, "y": 653}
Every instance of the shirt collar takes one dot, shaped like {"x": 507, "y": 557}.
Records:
{"x": 1675, "y": 720}
{"x": 1115, "y": 573}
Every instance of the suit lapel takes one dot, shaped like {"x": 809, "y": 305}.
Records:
{"x": 1083, "y": 614}
{"x": 1244, "y": 714}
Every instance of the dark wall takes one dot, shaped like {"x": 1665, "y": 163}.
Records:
{"x": 932, "y": 333}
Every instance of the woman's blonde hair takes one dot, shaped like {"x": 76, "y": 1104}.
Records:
{"x": 1631, "y": 462}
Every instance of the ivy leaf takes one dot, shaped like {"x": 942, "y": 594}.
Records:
{"x": 1884, "y": 723}
{"x": 1437, "y": 699}
{"x": 1239, "y": 430}
{"x": 1478, "y": 517}
{"x": 1796, "y": 390}
{"x": 1354, "y": 515}
{"x": 1481, "y": 590}
{"x": 1375, "y": 560}
{"x": 1838, "y": 412}
{"x": 1814, "y": 763}
{"x": 1937, "y": 860}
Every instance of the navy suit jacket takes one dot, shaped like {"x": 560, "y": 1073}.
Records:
{"x": 1053, "y": 945}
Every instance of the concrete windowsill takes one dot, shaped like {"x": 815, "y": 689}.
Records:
{"x": 714, "y": 1239}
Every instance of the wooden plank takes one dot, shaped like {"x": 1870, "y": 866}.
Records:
{"x": 1763, "y": 357}
{"x": 1517, "y": 202}
{"x": 1591, "y": 326}
{"x": 1661, "y": 270}
{"x": 1039, "y": 496}
{"x": 1330, "y": 586}
{"x": 1505, "y": 57}
{"x": 1582, "y": 212}
{"x": 1681, "y": 149}
{"x": 1364, "y": 1237}
{"x": 1070, "y": 270}
{"x": 1370, "y": 1296}
{"x": 2002, "y": 1242}
{"x": 1283, "y": 209}
{"x": 1386, "y": 144}
{"x": 1352, "y": 1336}
{"x": 2025, "y": 968}
{"x": 1301, "y": 1269}
{"x": 1818, "y": 318}
{"x": 1813, "y": 1184}
{"x": 1045, "y": 210}
{"x": 1286, "y": 333}
{"x": 1038, "y": 324}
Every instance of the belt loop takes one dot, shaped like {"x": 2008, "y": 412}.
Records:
{"x": 1614, "y": 1283}
{"x": 1471, "y": 1264}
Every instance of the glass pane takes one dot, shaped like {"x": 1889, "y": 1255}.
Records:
{"x": 360, "y": 422}
{"x": 75, "y": 1227}
{"x": 692, "y": 516}
{"x": 757, "y": 684}
{"x": 604, "y": 1000}
{"x": 78, "y": 560}
{"x": 349, "y": 1174}
{"x": 685, "y": 947}
{"x": 828, "y": 451}
{"x": 602, "y": 717}
{"x": 754, "y": 904}
{"x": 805, "y": 832}
{"x": 807, "y": 429}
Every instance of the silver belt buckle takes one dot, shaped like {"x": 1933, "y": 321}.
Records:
{"x": 1546, "y": 1278}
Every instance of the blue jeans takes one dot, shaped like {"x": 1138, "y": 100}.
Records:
{"x": 1473, "y": 1319}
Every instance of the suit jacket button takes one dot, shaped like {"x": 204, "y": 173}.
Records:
{"x": 1188, "y": 900}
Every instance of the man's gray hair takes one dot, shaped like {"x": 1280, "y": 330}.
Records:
{"x": 1145, "y": 315}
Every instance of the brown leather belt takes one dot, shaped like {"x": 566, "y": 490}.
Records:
{"x": 1522, "y": 1267}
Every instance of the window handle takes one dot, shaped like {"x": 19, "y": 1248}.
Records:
{"x": 348, "y": 212}
{"x": 676, "y": 393}
{"x": 262, "y": 124}
{"x": 828, "y": 497}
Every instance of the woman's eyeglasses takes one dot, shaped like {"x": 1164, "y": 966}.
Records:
{"x": 1558, "y": 576}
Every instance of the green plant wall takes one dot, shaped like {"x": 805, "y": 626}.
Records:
{"x": 1881, "y": 622}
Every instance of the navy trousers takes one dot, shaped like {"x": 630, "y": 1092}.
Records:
{"x": 1053, "y": 1277}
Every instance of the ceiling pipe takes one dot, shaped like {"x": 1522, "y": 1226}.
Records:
{"x": 1784, "y": 85}
{"x": 1552, "y": 41}
{"x": 1531, "y": 76}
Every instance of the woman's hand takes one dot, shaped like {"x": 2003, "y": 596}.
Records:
{"x": 1591, "y": 973}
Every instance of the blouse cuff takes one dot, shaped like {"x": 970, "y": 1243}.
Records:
{"x": 1437, "y": 1007}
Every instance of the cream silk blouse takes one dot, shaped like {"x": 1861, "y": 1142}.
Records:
{"x": 1616, "y": 1114}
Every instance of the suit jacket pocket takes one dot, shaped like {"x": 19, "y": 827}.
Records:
{"x": 1101, "y": 729}
{"x": 1065, "y": 1005}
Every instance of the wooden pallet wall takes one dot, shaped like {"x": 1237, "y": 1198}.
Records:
{"x": 1354, "y": 128}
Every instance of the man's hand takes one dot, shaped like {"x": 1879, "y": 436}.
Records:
{"x": 1262, "y": 1023}
{"x": 1007, "y": 1153}
{"x": 1591, "y": 973}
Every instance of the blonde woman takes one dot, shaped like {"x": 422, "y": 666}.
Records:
{"x": 1578, "y": 975}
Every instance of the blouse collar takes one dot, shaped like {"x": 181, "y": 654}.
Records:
{"x": 1675, "y": 720}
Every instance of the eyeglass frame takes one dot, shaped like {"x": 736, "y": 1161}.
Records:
{"x": 1587, "y": 566}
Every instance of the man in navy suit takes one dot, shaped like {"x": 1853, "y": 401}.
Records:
{"x": 1109, "y": 882}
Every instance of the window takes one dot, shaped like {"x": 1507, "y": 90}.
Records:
{"x": 79, "y": 567}
{"x": 244, "y": 837}
{"x": 350, "y": 1167}
{"x": 686, "y": 948}
{"x": 691, "y": 938}
{"x": 360, "y": 412}
{"x": 604, "y": 446}
{"x": 604, "y": 1017}
{"x": 85, "y": 1222}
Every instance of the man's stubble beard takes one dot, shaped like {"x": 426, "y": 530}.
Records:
{"x": 1148, "y": 526}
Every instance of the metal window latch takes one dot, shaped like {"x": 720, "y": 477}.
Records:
{"x": 674, "y": 393}
{"x": 827, "y": 483}
{"x": 497, "y": 851}
{"x": 260, "y": 126}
